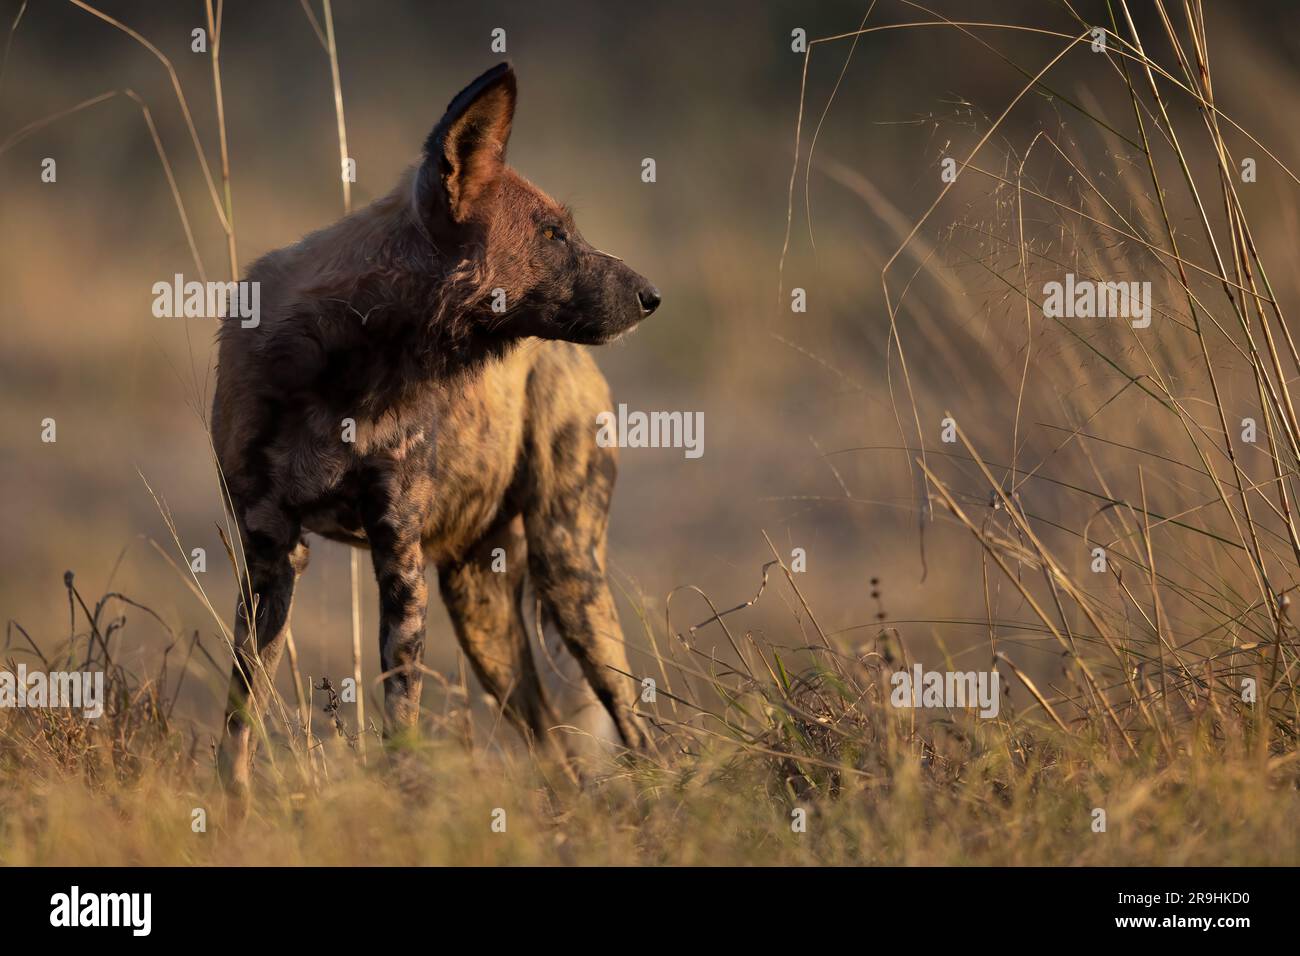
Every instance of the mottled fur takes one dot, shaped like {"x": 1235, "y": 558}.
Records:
{"x": 473, "y": 429}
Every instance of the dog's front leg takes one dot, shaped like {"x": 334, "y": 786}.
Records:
{"x": 273, "y": 571}
{"x": 393, "y": 517}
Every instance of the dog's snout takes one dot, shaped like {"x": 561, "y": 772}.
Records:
{"x": 649, "y": 299}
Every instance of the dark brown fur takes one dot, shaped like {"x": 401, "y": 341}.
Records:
{"x": 470, "y": 433}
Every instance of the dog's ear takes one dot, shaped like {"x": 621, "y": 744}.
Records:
{"x": 467, "y": 149}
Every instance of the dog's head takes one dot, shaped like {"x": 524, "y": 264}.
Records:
{"x": 537, "y": 274}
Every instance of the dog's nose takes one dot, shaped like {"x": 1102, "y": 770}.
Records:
{"x": 649, "y": 299}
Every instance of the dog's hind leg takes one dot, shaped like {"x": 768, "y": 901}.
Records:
{"x": 482, "y": 593}
{"x": 566, "y": 518}
{"x": 566, "y": 687}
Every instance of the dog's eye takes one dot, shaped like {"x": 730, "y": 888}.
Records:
{"x": 553, "y": 232}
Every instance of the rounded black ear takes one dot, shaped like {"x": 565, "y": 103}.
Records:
{"x": 467, "y": 149}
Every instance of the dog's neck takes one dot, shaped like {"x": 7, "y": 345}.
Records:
{"x": 415, "y": 314}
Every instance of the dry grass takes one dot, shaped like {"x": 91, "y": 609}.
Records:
{"x": 877, "y": 787}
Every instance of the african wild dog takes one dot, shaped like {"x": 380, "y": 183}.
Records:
{"x": 470, "y": 434}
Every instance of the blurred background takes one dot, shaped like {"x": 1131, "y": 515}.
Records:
{"x": 805, "y": 413}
